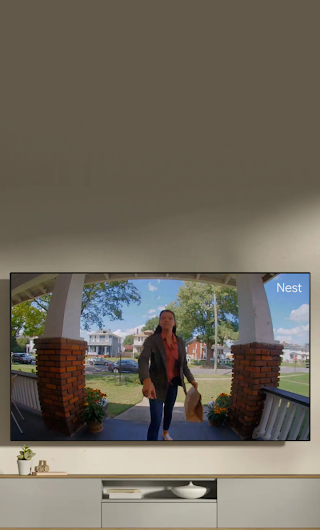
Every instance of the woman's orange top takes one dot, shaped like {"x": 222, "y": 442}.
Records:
{"x": 172, "y": 353}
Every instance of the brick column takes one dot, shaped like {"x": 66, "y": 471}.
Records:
{"x": 254, "y": 365}
{"x": 61, "y": 382}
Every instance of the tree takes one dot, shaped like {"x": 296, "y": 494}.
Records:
{"x": 194, "y": 310}
{"x": 18, "y": 345}
{"x": 128, "y": 340}
{"x": 15, "y": 346}
{"x": 27, "y": 318}
{"x": 151, "y": 324}
{"x": 98, "y": 301}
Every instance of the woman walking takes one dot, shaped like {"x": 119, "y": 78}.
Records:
{"x": 168, "y": 365}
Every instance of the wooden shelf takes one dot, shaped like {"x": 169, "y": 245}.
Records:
{"x": 163, "y": 499}
{"x": 155, "y": 477}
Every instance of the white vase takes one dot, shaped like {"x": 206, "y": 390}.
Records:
{"x": 190, "y": 492}
{"x": 25, "y": 467}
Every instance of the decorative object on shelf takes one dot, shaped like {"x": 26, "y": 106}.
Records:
{"x": 190, "y": 492}
{"x": 42, "y": 467}
{"x": 25, "y": 460}
{"x": 121, "y": 493}
{"x": 94, "y": 410}
{"x": 48, "y": 474}
{"x": 217, "y": 411}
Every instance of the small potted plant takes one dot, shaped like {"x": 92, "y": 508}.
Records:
{"x": 95, "y": 410}
{"x": 218, "y": 410}
{"x": 25, "y": 460}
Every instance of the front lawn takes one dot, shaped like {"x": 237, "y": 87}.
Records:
{"x": 298, "y": 384}
{"x": 127, "y": 393}
{"x": 209, "y": 389}
{"x": 24, "y": 367}
{"x": 121, "y": 395}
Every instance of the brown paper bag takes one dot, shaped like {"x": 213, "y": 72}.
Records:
{"x": 193, "y": 406}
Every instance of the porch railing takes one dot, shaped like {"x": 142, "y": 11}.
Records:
{"x": 25, "y": 390}
{"x": 283, "y": 416}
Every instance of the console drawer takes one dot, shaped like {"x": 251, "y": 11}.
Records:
{"x": 142, "y": 514}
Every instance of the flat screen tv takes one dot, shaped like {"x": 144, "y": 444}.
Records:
{"x": 160, "y": 357}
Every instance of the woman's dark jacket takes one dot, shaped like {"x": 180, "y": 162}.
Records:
{"x": 154, "y": 352}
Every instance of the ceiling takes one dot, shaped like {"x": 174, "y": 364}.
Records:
{"x": 27, "y": 286}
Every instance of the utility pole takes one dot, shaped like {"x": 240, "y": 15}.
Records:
{"x": 215, "y": 334}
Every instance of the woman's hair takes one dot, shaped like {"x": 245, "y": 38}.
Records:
{"x": 159, "y": 328}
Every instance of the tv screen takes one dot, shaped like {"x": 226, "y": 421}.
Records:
{"x": 160, "y": 357}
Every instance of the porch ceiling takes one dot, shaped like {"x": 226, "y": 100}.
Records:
{"x": 27, "y": 286}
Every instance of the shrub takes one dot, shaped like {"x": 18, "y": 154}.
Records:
{"x": 223, "y": 400}
{"x": 94, "y": 407}
{"x": 218, "y": 410}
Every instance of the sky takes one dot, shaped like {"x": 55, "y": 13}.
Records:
{"x": 289, "y": 310}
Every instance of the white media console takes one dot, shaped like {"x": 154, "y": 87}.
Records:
{"x": 81, "y": 502}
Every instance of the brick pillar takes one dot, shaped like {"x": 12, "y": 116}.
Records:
{"x": 254, "y": 365}
{"x": 61, "y": 382}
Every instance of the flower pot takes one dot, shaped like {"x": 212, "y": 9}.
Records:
{"x": 213, "y": 423}
{"x": 25, "y": 467}
{"x": 95, "y": 426}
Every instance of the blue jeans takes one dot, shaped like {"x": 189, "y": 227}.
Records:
{"x": 156, "y": 407}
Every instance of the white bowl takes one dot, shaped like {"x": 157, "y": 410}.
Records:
{"x": 189, "y": 492}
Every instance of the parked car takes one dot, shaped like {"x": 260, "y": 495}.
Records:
{"x": 99, "y": 360}
{"x": 127, "y": 365}
{"x": 22, "y": 358}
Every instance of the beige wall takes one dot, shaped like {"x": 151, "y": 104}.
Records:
{"x": 212, "y": 117}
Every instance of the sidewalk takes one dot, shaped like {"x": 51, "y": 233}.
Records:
{"x": 141, "y": 412}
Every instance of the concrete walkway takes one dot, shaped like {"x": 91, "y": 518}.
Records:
{"x": 141, "y": 412}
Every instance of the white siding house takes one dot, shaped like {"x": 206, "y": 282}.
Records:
{"x": 138, "y": 340}
{"x": 104, "y": 342}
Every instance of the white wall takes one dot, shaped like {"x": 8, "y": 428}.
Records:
{"x": 214, "y": 141}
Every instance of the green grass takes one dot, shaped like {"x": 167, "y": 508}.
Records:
{"x": 296, "y": 384}
{"x": 121, "y": 395}
{"x": 298, "y": 377}
{"x": 229, "y": 362}
{"x": 24, "y": 367}
{"x": 209, "y": 390}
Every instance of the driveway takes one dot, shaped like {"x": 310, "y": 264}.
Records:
{"x": 100, "y": 369}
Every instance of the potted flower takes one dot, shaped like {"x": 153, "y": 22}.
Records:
{"x": 95, "y": 410}
{"x": 223, "y": 400}
{"x": 25, "y": 460}
{"x": 218, "y": 410}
